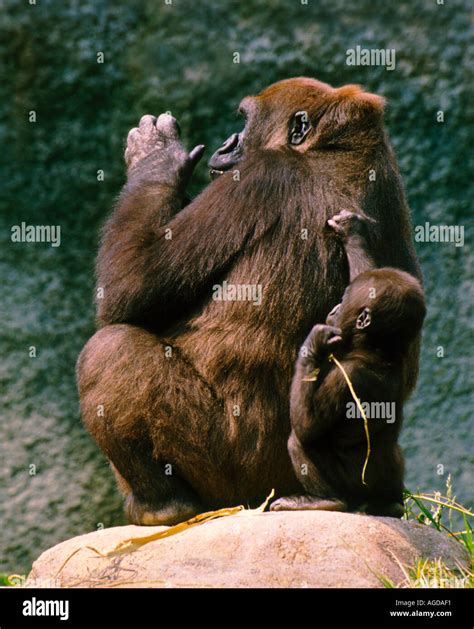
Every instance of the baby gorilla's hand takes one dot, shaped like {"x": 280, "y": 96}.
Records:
{"x": 347, "y": 224}
{"x": 154, "y": 151}
{"x": 319, "y": 343}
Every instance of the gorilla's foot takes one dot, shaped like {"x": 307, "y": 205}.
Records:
{"x": 173, "y": 511}
{"x": 307, "y": 502}
{"x": 384, "y": 509}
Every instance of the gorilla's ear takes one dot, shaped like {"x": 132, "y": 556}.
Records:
{"x": 350, "y": 114}
{"x": 364, "y": 319}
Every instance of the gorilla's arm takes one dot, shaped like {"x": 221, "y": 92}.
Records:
{"x": 156, "y": 261}
{"x": 318, "y": 407}
{"x": 319, "y": 391}
{"x": 354, "y": 232}
{"x": 313, "y": 373}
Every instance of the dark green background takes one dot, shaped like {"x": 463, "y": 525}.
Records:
{"x": 179, "y": 58}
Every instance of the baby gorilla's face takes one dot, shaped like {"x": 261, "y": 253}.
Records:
{"x": 347, "y": 315}
{"x": 334, "y": 316}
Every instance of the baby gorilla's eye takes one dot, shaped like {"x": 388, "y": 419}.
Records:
{"x": 299, "y": 127}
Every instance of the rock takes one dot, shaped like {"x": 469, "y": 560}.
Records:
{"x": 292, "y": 549}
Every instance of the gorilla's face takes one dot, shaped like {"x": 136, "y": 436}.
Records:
{"x": 234, "y": 148}
{"x": 334, "y": 316}
{"x": 303, "y": 115}
{"x": 272, "y": 120}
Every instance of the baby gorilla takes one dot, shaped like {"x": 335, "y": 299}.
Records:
{"x": 369, "y": 333}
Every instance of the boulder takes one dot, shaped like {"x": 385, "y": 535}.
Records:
{"x": 282, "y": 549}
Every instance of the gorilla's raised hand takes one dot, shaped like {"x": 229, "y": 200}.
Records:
{"x": 155, "y": 152}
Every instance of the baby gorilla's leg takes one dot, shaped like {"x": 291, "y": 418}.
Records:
{"x": 318, "y": 495}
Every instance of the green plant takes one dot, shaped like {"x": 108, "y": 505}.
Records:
{"x": 4, "y": 579}
{"x": 432, "y": 573}
{"x": 434, "y": 509}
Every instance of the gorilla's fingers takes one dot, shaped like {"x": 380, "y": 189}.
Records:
{"x": 367, "y": 218}
{"x": 196, "y": 154}
{"x": 147, "y": 122}
{"x": 168, "y": 126}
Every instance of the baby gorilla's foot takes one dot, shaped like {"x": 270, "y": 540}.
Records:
{"x": 172, "y": 512}
{"x": 347, "y": 224}
{"x": 307, "y": 502}
{"x": 154, "y": 149}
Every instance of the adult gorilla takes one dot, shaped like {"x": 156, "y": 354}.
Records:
{"x": 186, "y": 394}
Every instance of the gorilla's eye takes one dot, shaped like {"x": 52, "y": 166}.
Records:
{"x": 299, "y": 127}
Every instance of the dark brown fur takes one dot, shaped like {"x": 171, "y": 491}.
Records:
{"x": 328, "y": 445}
{"x": 158, "y": 293}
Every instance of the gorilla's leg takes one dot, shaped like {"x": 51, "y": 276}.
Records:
{"x": 155, "y": 419}
{"x": 319, "y": 496}
{"x": 155, "y": 498}
{"x": 386, "y": 508}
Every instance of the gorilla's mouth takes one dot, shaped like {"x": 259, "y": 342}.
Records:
{"x": 214, "y": 173}
{"x": 226, "y": 156}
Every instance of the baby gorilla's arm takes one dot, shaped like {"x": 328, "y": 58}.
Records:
{"x": 306, "y": 418}
{"x": 353, "y": 230}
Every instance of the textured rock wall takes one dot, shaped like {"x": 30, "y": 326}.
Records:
{"x": 179, "y": 57}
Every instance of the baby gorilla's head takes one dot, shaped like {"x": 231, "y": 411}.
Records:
{"x": 384, "y": 308}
